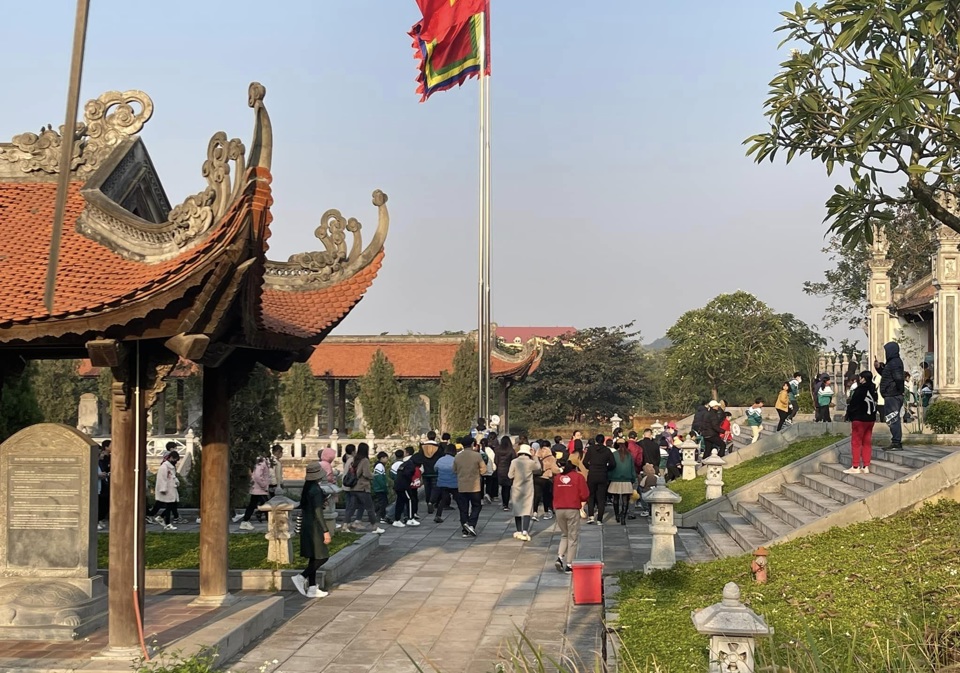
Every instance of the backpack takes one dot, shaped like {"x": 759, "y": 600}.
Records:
{"x": 350, "y": 478}
{"x": 417, "y": 479}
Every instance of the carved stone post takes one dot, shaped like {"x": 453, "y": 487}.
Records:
{"x": 331, "y": 405}
{"x": 279, "y": 547}
{"x": 946, "y": 344}
{"x": 733, "y": 628}
{"x": 335, "y": 442}
{"x": 215, "y": 490}
{"x": 879, "y": 295}
{"x": 714, "y": 480}
{"x": 370, "y": 436}
{"x": 689, "y": 463}
{"x": 298, "y": 444}
{"x": 663, "y": 554}
{"x": 342, "y": 407}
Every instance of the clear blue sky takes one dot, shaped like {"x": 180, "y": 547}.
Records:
{"x": 621, "y": 189}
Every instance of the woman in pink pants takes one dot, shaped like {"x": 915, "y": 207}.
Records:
{"x": 862, "y": 412}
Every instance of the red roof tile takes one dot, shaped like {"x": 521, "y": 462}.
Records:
{"x": 308, "y": 313}
{"x": 414, "y": 360}
{"x": 90, "y": 277}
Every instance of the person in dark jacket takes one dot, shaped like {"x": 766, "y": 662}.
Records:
{"x": 599, "y": 462}
{"x": 503, "y": 456}
{"x": 429, "y": 455}
{"x": 674, "y": 460}
{"x": 698, "y": 416}
{"x": 892, "y": 377}
{"x": 710, "y": 430}
{"x": 650, "y": 451}
{"x": 862, "y": 412}
{"x": 314, "y": 532}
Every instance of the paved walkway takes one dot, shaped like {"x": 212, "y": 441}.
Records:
{"x": 454, "y": 605}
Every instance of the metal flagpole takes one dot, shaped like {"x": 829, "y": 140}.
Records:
{"x": 483, "y": 359}
{"x": 488, "y": 340}
{"x": 66, "y": 147}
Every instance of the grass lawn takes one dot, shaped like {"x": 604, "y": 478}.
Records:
{"x": 863, "y": 598}
{"x": 694, "y": 492}
{"x": 169, "y": 551}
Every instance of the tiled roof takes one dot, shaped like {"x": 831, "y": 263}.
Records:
{"x": 90, "y": 277}
{"x": 418, "y": 359}
{"x": 919, "y": 298}
{"x": 307, "y": 313}
{"x": 524, "y": 334}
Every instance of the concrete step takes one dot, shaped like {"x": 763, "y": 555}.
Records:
{"x": 865, "y": 482}
{"x": 765, "y": 521}
{"x": 932, "y": 453}
{"x": 737, "y": 527}
{"x": 906, "y": 458}
{"x": 695, "y": 546}
{"x": 810, "y": 499}
{"x": 834, "y": 488}
{"x": 889, "y": 470}
{"x": 787, "y": 510}
{"x": 718, "y": 540}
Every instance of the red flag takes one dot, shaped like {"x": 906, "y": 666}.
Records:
{"x": 448, "y": 43}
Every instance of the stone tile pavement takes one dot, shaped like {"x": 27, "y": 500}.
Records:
{"x": 453, "y": 605}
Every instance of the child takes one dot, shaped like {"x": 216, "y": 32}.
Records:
{"x": 379, "y": 486}
{"x": 755, "y": 418}
{"x": 674, "y": 460}
{"x": 824, "y": 399}
{"x": 726, "y": 430}
{"x": 647, "y": 481}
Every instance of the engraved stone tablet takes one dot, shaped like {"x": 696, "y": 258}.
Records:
{"x": 48, "y": 537}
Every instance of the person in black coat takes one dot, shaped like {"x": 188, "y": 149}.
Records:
{"x": 892, "y": 377}
{"x": 651, "y": 451}
{"x": 599, "y": 461}
{"x": 315, "y": 533}
{"x": 710, "y": 430}
{"x": 862, "y": 412}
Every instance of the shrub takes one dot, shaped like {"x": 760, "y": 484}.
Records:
{"x": 943, "y": 416}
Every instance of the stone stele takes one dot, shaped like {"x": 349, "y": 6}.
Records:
{"x": 49, "y": 589}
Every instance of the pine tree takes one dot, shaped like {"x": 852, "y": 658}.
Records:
{"x": 19, "y": 406}
{"x": 255, "y": 424}
{"x": 458, "y": 389}
{"x": 380, "y": 395}
{"x": 299, "y": 398}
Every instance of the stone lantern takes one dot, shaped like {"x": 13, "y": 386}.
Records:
{"x": 714, "y": 465}
{"x": 657, "y": 428}
{"x": 370, "y": 436}
{"x": 279, "y": 547}
{"x": 663, "y": 554}
{"x": 733, "y": 628}
{"x": 689, "y": 463}
{"x": 615, "y": 422}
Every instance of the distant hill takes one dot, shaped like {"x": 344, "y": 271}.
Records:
{"x": 659, "y": 344}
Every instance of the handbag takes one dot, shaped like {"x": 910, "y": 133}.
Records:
{"x": 350, "y": 478}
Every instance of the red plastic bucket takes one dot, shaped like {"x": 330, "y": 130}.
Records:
{"x": 587, "y": 583}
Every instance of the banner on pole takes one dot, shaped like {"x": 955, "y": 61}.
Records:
{"x": 447, "y": 42}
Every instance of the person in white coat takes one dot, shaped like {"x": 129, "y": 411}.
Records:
{"x": 167, "y": 488}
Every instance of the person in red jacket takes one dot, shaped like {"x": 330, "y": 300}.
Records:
{"x": 569, "y": 493}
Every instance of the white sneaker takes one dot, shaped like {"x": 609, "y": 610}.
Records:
{"x": 169, "y": 526}
{"x": 238, "y": 517}
{"x": 517, "y": 535}
{"x": 535, "y": 517}
{"x": 865, "y": 469}
{"x": 198, "y": 519}
{"x": 852, "y": 470}
{"x": 399, "y": 524}
{"x": 591, "y": 520}
{"x": 487, "y": 500}
{"x": 298, "y": 581}
{"x": 246, "y": 525}
{"x": 413, "y": 522}
{"x": 314, "y": 592}
{"x": 525, "y": 536}
{"x": 379, "y": 531}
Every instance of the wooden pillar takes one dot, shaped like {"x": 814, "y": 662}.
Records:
{"x": 215, "y": 490}
{"x": 181, "y": 421}
{"x": 342, "y": 409}
{"x": 331, "y": 405}
{"x": 160, "y": 414}
{"x": 127, "y": 508}
{"x": 504, "y": 406}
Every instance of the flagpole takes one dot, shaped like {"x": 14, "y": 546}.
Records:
{"x": 483, "y": 265}
{"x": 66, "y": 148}
{"x": 486, "y": 223}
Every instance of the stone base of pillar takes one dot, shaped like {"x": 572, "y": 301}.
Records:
{"x": 119, "y": 654}
{"x": 215, "y": 601}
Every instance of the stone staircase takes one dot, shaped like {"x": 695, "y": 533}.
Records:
{"x": 808, "y": 504}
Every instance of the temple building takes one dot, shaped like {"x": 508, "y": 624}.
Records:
{"x": 340, "y": 359}
{"x": 142, "y": 284}
{"x": 923, "y": 317}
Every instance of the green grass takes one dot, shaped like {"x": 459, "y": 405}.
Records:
{"x": 181, "y": 551}
{"x": 694, "y": 492}
{"x": 877, "y": 596}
